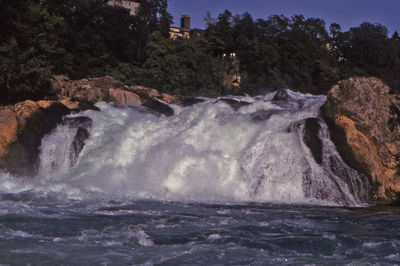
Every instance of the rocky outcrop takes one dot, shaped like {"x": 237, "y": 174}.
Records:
{"x": 22, "y": 127}
{"x": 364, "y": 120}
{"x": 281, "y": 95}
{"x": 107, "y": 89}
{"x": 234, "y": 104}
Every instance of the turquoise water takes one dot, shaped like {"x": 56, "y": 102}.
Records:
{"x": 46, "y": 231}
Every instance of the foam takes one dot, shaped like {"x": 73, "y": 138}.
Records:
{"x": 206, "y": 152}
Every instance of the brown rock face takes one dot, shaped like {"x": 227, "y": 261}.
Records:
{"x": 108, "y": 89}
{"x": 22, "y": 127}
{"x": 364, "y": 119}
{"x": 8, "y": 130}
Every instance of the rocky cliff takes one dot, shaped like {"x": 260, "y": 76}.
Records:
{"x": 363, "y": 116}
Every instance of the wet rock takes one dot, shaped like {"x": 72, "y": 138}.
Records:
{"x": 281, "y": 95}
{"x": 188, "y": 101}
{"x": 263, "y": 115}
{"x": 82, "y": 124}
{"x": 158, "y": 106}
{"x": 8, "y": 131}
{"x": 108, "y": 89}
{"x": 357, "y": 186}
{"x": 22, "y": 127}
{"x": 235, "y": 105}
{"x": 311, "y": 138}
{"x": 124, "y": 97}
{"x": 34, "y": 122}
{"x": 85, "y": 105}
{"x": 363, "y": 122}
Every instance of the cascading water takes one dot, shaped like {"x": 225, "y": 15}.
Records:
{"x": 206, "y": 152}
{"x": 235, "y": 180}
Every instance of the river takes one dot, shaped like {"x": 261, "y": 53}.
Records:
{"x": 259, "y": 183}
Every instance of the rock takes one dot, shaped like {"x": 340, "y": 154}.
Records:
{"x": 22, "y": 127}
{"x": 311, "y": 138}
{"x": 34, "y": 123}
{"x": 153, "y": 93}
{"x": 263, "y": 115}
{"x": 8, "y": 131}
{"x": 363, "y": 119}
{"x": 82, "y": 124}
{"x": 158, "y": 106}
{"x": 188, "y": 101}
{"x": 281, "y": 95}
{"x": 108, "y": 89}
{"x": 235, "y": 105}
{"x": 124, "y": 97}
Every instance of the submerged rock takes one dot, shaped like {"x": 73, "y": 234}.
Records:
{"x": 82, "y": 124}
{"x": 263, "y": 115}
{"x": 281, "y": 95}
{"x": 234, "y": 104}
{"x": 364, "y": 121}
{"x": 188, "y": 101}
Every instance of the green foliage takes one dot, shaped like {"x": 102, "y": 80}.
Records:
{"x": 368, "y": 51}
{"x": 182, "y": 67}
{"x": 84, "y": 38}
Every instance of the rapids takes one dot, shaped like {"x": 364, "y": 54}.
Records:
{"x": 207, "y": 152}
{"x": 259, "y": 183}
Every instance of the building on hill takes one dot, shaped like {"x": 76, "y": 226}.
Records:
{"x": 185, "y": 23}
{"x": 175, "y": 33}
{"x": 131, "y": 5}
{"x": 182, "y": 32}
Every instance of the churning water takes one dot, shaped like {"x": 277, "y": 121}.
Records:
{"x": 211, "y": 184}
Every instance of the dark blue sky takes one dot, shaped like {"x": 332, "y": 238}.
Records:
{"x": 348, "y": 13}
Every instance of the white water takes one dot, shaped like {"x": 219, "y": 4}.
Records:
{"x": 207, "y": 152}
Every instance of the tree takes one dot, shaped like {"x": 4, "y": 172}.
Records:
{"x": 220, "y": 35}
{"x": 152, "y": 16}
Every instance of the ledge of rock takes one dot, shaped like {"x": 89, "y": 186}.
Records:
{"x": 22, "y": 127}
{"x": 107, "y": 89}
{"x": 364, "y": 120}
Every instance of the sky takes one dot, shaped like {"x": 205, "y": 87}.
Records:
{"x": 348, "y": 13}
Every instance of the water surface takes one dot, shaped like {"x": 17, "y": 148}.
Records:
{"x": 156, "y": 232}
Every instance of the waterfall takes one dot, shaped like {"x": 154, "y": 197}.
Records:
{"x": 264, "y": 149}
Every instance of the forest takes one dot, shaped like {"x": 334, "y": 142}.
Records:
{"x": 88, "y": 38}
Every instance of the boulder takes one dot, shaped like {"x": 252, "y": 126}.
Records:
{"x": 22, "y": 127}
{"x": 82, "y": 125}
{"x": 281, "y": 95}
{"x": 8, "y": 131}
{"x": 235, "y": 105}
{"x": 124, "y": 97}
{"x": 311, "y": 138}
{"x": 364, "y": 121}
{"x": 188, "y": 101}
